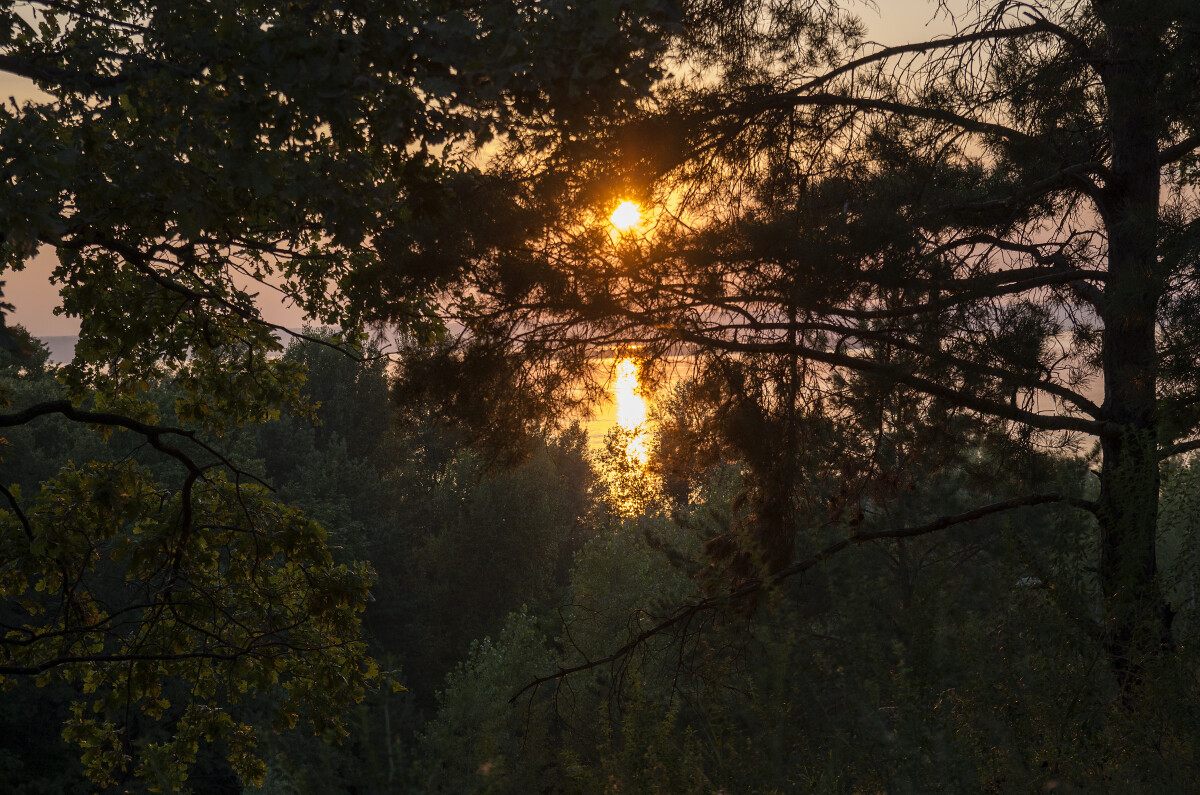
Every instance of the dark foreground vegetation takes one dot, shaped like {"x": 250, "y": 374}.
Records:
{"x": 963, "y": 658}
{"x": 919, "y": 512}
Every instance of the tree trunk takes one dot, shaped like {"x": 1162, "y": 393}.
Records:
{"x": 1136, "y": 618}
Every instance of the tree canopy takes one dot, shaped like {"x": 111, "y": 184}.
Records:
{"x": 939, "y": 304}
{"x": 179, "y": 159}
{"x": 997, "y": 224}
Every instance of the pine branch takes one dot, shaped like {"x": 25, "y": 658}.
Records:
{"x": 901, "y": 375}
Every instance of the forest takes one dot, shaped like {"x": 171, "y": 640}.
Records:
{"x": 915, "y": 505}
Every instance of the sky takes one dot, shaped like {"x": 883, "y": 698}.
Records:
{"x": 35, "y": 298}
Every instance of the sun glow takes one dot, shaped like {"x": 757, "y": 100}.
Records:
{"x": 631, "y": 407}
{"x": 626, "y": 216}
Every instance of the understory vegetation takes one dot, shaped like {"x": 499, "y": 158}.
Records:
{"x": 960, "y": 660}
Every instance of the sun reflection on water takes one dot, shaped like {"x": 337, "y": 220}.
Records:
{"x": 631, "y": 407}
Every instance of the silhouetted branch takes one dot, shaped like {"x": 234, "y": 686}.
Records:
{"x": 154, "y": 433}
{"x": 143, "y": 264}
{"x": 966, "y": 123}
{"x": 1179, "y": 449}
{"x": 23, "y": 67}
{"x": 926, "y": 46}
{"x": 253, "y": 649}
{"x": 905, "y": 376}
{"x": 16, "y": 509}
{"x": 685, "y": 614}
{"x": 1179, "y": 150}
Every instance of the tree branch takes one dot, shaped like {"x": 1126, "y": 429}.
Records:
{"x": 55, "y": 75}
{"x": 687, "y": 613}
{"x": 1044, "y": 277}
{"x": 1075, "y": 174}
{"x": 900, "y": 375}
{"x": 889, "y": 337}
{"x": 1178, "y": 449}
{"x": 1040, "y": 26}
{"x": 16, "y": 509}
{"x": 153, "y": 433}
{"x": 1179, "y": 150}
{"x": 1085, "y": 49}
{"x": 822, "y": 100}
{"x": 142, "y": 263}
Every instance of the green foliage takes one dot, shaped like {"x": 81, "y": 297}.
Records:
{"x": 490, "y": 540}
{"x": 33, "y": 758}
{"x": 630, "y": 489}
{"x": 480, "y": 742}
{"x": 1179, "y": 542}
{"x": 244, "y": 599}
{"x": 560, "y": 736}
{"x": 874, "y": 269}
{"x": 643, "y": 751}
{"x": 178, "y": 158}
{"x": 960, "y": 661}
{"x": 984, "y": 229}
{"x": 175, "y": 621}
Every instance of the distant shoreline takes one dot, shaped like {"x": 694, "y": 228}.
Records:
{"x": 62, "y": 348}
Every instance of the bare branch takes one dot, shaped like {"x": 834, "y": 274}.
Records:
{"x": 822, "y": 100}
{"x": 1040, "y": 26}
{"x": 1178, "y": 449}
{"x": 16, "y": 509}
{"x": 712, "y": 603}
{"x": 1076, "y": 175}
{"x": 1180, "y": 150}
{"x": 154, "y": 433}
{"x": 1041, "y": 22}
{"x": 901, "y": 375}
{"x": 1001, "y": 284}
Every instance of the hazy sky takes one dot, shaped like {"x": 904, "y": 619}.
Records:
{"x": 34, "y": 298}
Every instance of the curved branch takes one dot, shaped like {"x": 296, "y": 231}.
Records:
{"x": 1085, "y": 49}
{"x": 1178, "y": 449}
{"x": 142, "y": 263}
{"x": 40, "y": 668}
{"x": 1040, "y": 26}
{"x": 20, "y": 514}
{"x": 687, "y": 613}
{"x": 822, "y": 100}
{"x": 253, "y": 649}
{"x": 1012, "y": 377}
{"x": 1045, "y": 422}
{"x": 73, "y": 8}
{"x": 1056, "y": 261}
{"x": 154, "y": 433}
{"x": 22, "y": 67}
{"x": 1076, "y": 175}
{"x": 1180, "y": 150}
{"x": 1036, "y": 277}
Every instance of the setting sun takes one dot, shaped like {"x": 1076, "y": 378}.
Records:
{"x": 626, "y": 216}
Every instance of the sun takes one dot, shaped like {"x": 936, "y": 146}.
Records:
{"x": 626, "y": 216}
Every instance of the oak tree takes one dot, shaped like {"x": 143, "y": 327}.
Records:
{"x": 179, "y": 158}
